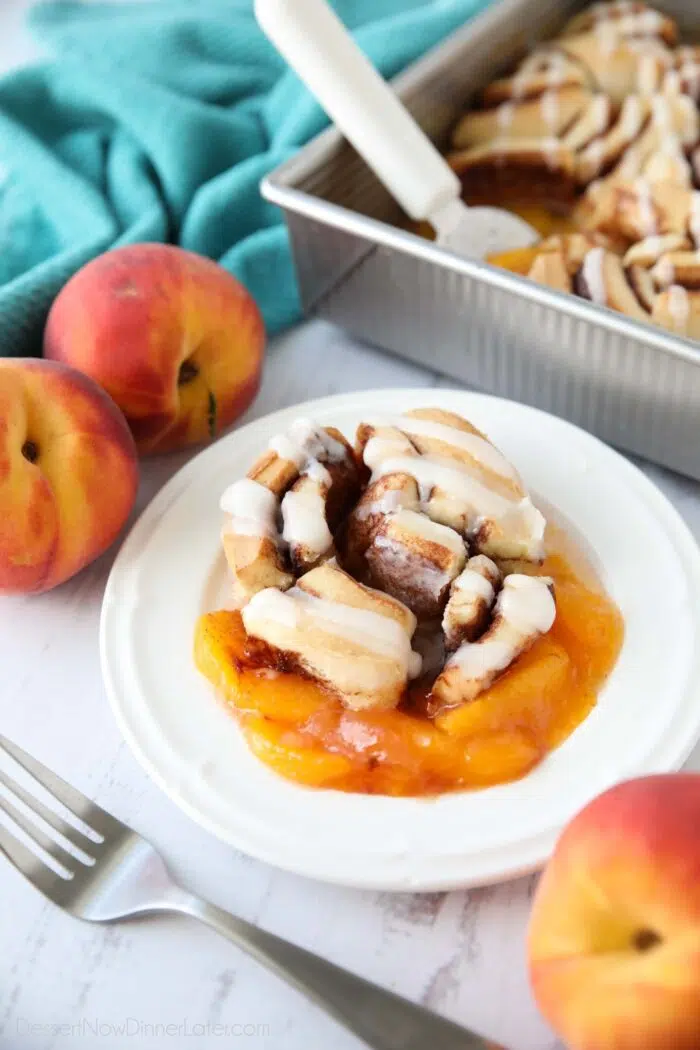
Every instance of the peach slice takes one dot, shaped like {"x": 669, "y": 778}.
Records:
{"x": 288, "y": 753}
{"x": 220, "y": 656}
{"x": 521, "y": 698}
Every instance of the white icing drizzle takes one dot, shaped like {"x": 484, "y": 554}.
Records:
{"x": 552, "y": 151}
{"x": 551, "y": 65}
{"x": 694, "y": 220}
{"x": 633, "y": 23}
{"x": 434, "y": 472}
{"x": 593, "y": 275}
{"x": 524, "y": 608}
{"x": 693, "y": 87}
{"x": 556, "y": 72}
{"x": 472, "y": 594}
{"x": 505, "y": 114}
{"x": 318, "y": 473}
{"x": 662, "y": 118}
{"x": 689, "y": 72}
{"x": 647, "y": 75}
{"x": 691, "y": 122}
{"x": 473, "y": 584}
{"x": 387, "y": 504}
{"x": 287, "y": 449}
{"x": 379, "y": 448}
{"x": 305, "y": 441}
{"x": 603, "y": 12}
{"x": 524, "y": 76}
{"x": 484, "y": 659}
{"x": 593, "y": 155}
{"x": 549, "y": 107}
{"x": 527, "y": 604}
{"x": 478, "y": 448}
{"x": 420, "y": 525}
{"x": 304, "y": 518}
{"x": 295, "y": 608}
{"x": 664, "y": 272}
{"x": 607, "y": 35}
{"x": 665, "y": 109}
{"x": 481, "y": 659}
{"x": 599, "y": 113}
{"x": 679, "y": 307}
{"x": 649, "y": 251}
{"x": 661, "y": 112}
{"x": 308, "y": 447}
{"x": 647, "y": 214}
{"x": 649, "y": 21}
{"x": 584, "y": 132}
{"x": 252, "y": 507}
{"x": 654, "y": 245}
{"x": 518, "y": 518}
{"x": 631, "y": 116}
{"x": 651, "y": 46}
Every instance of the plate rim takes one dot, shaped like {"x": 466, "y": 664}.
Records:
{"x": 534, "y": 851}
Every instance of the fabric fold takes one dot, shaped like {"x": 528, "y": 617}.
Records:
{"x": 156, "y": 122}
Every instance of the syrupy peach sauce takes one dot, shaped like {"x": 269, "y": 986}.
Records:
{"x": 302, "y": 731}
{"x": 547, "y": 223}
{"x": 519, "y": 260}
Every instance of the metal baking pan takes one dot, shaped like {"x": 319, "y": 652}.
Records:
{"x": 636, "y": 386}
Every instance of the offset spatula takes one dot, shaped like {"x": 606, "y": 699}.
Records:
{"x": 310, "y": 36}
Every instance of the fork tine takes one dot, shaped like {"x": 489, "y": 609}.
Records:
{"x": 54, "y": 849}
{"x": 89, "y": 812}
{"x": 32, "y": 867}
{"x": 37, "y": 806}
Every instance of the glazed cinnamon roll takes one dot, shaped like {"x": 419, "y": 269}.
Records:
{"x": 601, "y": 124}
{"x": 334, "y": 569}
{"x": 279, "y": 521}
{"x": 525, "y": 610}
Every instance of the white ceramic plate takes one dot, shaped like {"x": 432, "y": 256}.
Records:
{"x": 170, "y": 570}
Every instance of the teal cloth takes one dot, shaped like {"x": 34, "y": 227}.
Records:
{"x": 156, "y": 122}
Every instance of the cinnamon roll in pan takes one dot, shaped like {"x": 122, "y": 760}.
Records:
{"x": 600, "y": 124}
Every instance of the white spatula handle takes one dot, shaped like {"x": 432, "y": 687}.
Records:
{"x": 313, "y": 40}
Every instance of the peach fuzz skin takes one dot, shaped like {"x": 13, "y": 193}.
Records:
{"x": 614, "y": 939}
{"x": 172, "y": 337}
{"x": 68, "y": 473}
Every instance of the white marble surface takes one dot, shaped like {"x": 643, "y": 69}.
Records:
{"x": 460, "y": 953}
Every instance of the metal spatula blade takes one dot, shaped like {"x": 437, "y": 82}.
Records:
{"x": 317, "y": 46}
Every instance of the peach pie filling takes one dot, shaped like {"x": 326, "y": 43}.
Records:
{"x": 595, "y": 140}
{"x": 405, "y": 620}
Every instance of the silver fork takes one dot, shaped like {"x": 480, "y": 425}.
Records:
{"x": 109, "y": 872}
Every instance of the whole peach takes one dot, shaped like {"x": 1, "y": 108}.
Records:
{"x": 614, "y": 940}
{"x": 171, "y": 336}
{"x": 68, "y": 473}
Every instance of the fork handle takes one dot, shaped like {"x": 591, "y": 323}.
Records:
{"x": 382, "y": 1019}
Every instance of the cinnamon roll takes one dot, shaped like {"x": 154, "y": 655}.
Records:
{"x": 525, "y": 610}
{"x": 333, "y": 569}
{"x": 279, "y": 520}
{"x": 355, "y": 640}
{"x": 404, "y": 661}
{"x": 601, "y": 124}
